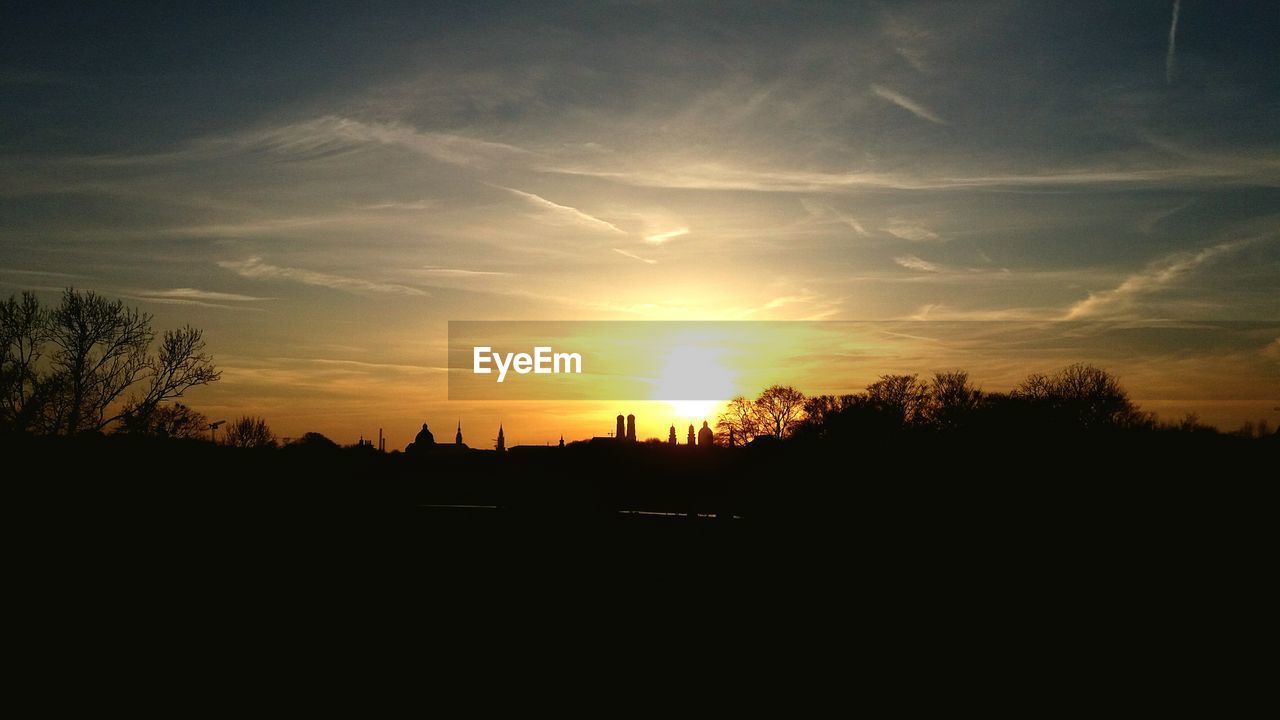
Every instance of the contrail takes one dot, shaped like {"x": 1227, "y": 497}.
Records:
{"x": 1173, "y": 35}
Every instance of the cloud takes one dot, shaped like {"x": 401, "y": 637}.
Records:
{"x": 718, "y": 176}
{"x": 912, "y": 232}
{"x": 254, "y": 268}
{"x": 907, "y": 104}
{"x": 633, "y": 256}
{"x": 826, "y": 213}
{"x": 392, "y": 205}
{"x": 1155, "y": 277}
{"x": 1169, "y": 57}
{"x": 659, "y": 238}
{"x": 194, "y": 294}
{"x": 332, "y": 135}
{"x": 194, "y": 297}
{"x": 571, "y": 214}
{"x": 41, "y": 273}
{"x": 911, "y": 262}
{"x": 1273, "y": 350}
{"x": 457, "y": 272}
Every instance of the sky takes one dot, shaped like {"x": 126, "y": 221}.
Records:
{"x": 322, "y": 189}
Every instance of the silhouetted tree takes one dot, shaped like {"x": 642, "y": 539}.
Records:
{"x": 99, "y": 352}
{"x": 173, "y": 421}
{"x": 23, "y": 331}
{"x": 314, "y": 440}
{"x": 822, "y": 413}
{"x": 779, "y": 408}
{"x": 249, "y": 432}
{"x": 902, "y": 398}
{"x": 740, "y": 420}
{"x": 1084, "y": 396}
{"x": 953, "y": 400}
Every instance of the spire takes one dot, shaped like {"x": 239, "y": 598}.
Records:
{"x": 561, "y": 439}
{"x": 457, "y": 439}
{"x": 502, "y": 440}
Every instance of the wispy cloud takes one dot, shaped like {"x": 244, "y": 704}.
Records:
{"x": 393, "y": 205}
{"x": 911, "y": 262}
{"x": 40, "y": 273}
{"x": 718, "y": 176}
{"x": 633, "y": 256}
{"x": 907, "y": 104}
{"x": 457, "y": 272}
{"x": 1170, "y": 58}
{"x": 195, "y": 294}
{"x": 912, "y": 231}
{"x": 1155, "y": 277}
{"x": 826, "y": 213}
{"x": 659, "y": 238}
{"x": 570, "y": 214}
{"x": 256, "y": 269}
{"x": 332, "y": 135}
{"x": 195, "y": 297}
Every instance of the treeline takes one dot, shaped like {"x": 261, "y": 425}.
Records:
{"x": 90, "y": 363}
{"x": 1078, "y": 398}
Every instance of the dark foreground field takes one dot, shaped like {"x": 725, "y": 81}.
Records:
{"x": 916, "y": 540}
{"x": 921, "y": 488}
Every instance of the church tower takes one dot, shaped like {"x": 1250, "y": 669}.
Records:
{"x": 692, "y": 438}
{"x": 706, "y": 437}
{"x": 502, "y": 440}
{"x": 671, "y": 439}
{"x": 631, "y": 428}
{"x": 457, "y": 439}
{"x": 622, "y": 428}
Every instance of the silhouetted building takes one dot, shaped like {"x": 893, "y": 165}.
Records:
{"x": 502, "y": 440}
{"x": 692, "y": 440}
{"x": 424, "y": 437}
{"x": 457, "y": 439}
{"x": 622, "y": 429}
{"x": 561, "y": 441}
{"x": 631, "y": 428}
{"x": 671, "y": 439}
{"x": 706, "y": 438}
{"x": 422, "y": 442}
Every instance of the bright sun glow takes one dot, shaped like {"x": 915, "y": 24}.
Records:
{"x": 694, "y": 381}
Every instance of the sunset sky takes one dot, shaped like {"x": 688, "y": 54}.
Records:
{"x": 322, "y": 190}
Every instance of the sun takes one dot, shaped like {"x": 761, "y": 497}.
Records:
{"x": 693, "y": 381}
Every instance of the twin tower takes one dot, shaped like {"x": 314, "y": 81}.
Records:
{"x": 627, "y": 432}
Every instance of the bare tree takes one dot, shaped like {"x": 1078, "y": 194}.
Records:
{"x": 99, "y": 352}
{"x": 779, "y": 408}
{"x": 23, "y": 330}
{"x": 739, "y": 422}
{"x": 172, "y": 421}
{"x": 181, "y": 364}
{"x": 952, "y": 399}
{"x": 249, "y": 432}
{"x": 902, "y": 397}
{"x": 1089, "y": 396}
